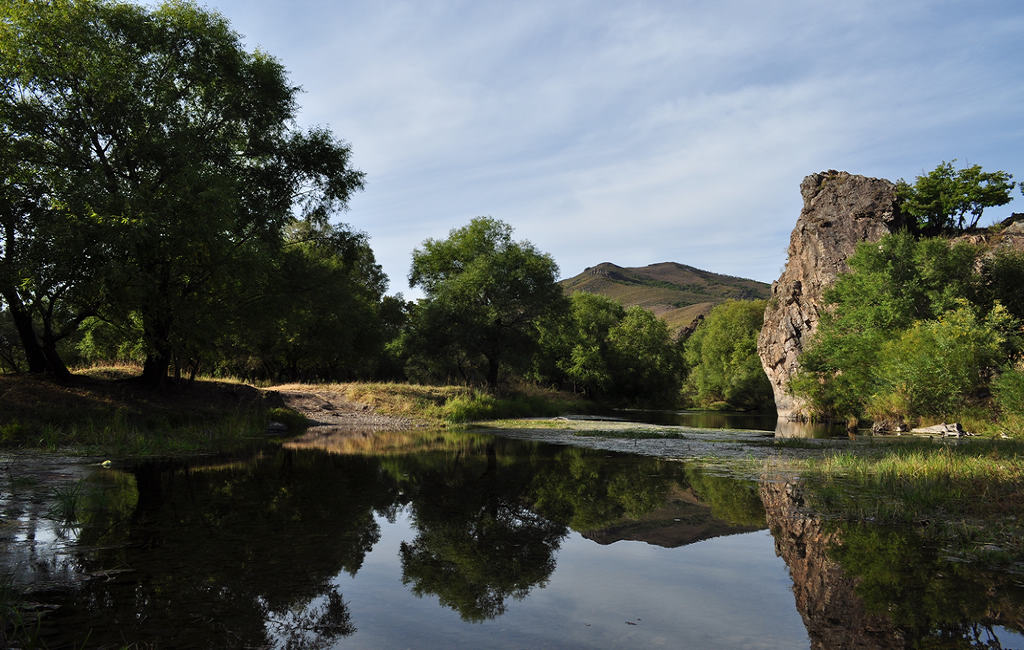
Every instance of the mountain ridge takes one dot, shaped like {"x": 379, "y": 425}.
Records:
{"x": 676, "y": 292}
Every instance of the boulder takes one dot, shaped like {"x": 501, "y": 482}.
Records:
{"x": 840, "y": 211}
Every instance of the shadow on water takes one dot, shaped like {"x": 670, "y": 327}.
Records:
{"x": 271, "y": 550}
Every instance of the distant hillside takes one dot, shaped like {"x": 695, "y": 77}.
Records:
{"x": 675, "y": 292}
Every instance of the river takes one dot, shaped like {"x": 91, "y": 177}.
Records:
{"x": 445, "y": 539}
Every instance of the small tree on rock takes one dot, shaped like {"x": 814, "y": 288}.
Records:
{"x": 950, "y": 199}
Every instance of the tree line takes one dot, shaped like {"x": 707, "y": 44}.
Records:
{"x": 160, "y": 206}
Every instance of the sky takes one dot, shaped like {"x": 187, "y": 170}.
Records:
{"x": 641, "y": 132}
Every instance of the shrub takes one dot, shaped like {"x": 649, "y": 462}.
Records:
{"x": 935, "y": 367}
{"x": 1008, "y": 389}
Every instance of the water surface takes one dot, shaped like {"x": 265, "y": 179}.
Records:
{"x": 439, "y": 539}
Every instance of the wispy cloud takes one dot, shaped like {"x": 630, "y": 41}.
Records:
{"x": 639, "y": 132}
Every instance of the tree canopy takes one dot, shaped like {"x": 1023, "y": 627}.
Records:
{"x": 722, "y": 356}
{"x": 150, "y": 162}
{"x": 485, "y": 295}
{"x": 948, "y": 199}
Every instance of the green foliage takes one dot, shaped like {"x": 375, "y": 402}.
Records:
{"x": 942, "y": 199}
{"x": 1002, "y": 275}
{"x": 610, "y": 353}
{"x": 485, "y": 296}
{"x": 151, "y": 168}
{"x": 913, "y": 329}
{"x": 293, "y": 421}
{"x": 319, "y": 313}
{"x": 722, "y": 357}
{"x": 934, "y": 367}
{"x": 1008, "y": 388}
{"x": 645, "y": 363}
{"x": 478, "y": 405}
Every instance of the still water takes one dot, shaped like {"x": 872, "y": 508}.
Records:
{"x": 455, "y": 540}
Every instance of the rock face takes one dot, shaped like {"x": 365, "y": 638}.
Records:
{"x": 840, "y": 211}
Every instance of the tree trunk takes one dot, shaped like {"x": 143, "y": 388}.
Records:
{"x": 154, "y": 369}
{"x": 158, "y": 357}
{"x": 26, "y": 332}
{"x": 492, "y": 372}
{"x": 54, "y": 364}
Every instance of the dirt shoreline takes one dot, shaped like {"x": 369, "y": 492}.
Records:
{"x": 331, "y": 411}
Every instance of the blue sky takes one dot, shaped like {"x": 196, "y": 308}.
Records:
{"x": 641, "y": 132}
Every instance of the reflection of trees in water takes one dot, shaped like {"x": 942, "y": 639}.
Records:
{"x": 867, "y": 585}
{"x": 214, "y": 555}
{"x": 244, "y": 554}
{"x": 490, "y": 518}
{"x": 478, "y": 543}
{"x": 930, "y": 592}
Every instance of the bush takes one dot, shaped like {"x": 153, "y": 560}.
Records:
{"x": 935, "y": 367}
{"x": 722, "y": 355}
{"x": 1008, "y": 389}
{"x": 294, "y": 421}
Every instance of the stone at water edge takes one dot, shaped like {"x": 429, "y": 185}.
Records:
{"x": 950, "y": 430}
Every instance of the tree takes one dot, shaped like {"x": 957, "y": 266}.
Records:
{"x": 942, "y": 199}
{"x": 485, "y": 295}
{"x": 722, "y": 356}
{"x": 173, "y": 145}
{"x": 645, "y": 364}
{"x": 324, "y": 296}
{"x": 574, "y": 348}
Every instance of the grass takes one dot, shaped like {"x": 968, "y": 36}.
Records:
{"x": 294, "y": 422}
{"x": 67, "y": 503}
{"x": 450, "y": 404}
{"x": 107, "y": 410}
{"x": 921, "y": 480}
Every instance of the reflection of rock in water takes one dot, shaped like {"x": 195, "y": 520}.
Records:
{"x": 833, "y": 613}
{"x": 796, "y": 429}
{"x": 863, "y": 585}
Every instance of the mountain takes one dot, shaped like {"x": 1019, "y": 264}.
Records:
{"x": 674, "y": 292}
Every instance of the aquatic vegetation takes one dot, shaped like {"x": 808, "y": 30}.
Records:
{"x": 67, "y": 503}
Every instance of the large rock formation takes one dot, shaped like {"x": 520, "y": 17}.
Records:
{"x": 840, "y": 211}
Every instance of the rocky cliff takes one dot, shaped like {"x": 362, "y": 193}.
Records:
{"x": 840, "y": 211}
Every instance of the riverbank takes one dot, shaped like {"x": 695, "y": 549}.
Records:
{"x": 108, "y": 411}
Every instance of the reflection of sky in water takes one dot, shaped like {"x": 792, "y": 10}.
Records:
{"x": 727, "y": 592}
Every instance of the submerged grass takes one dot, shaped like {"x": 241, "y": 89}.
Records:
{"x": 630, "y": 434}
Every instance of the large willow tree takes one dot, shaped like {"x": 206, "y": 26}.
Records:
{"x": 147, "y": 158}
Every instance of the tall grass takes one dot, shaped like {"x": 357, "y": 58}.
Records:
{"x": 916, "y": 481}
